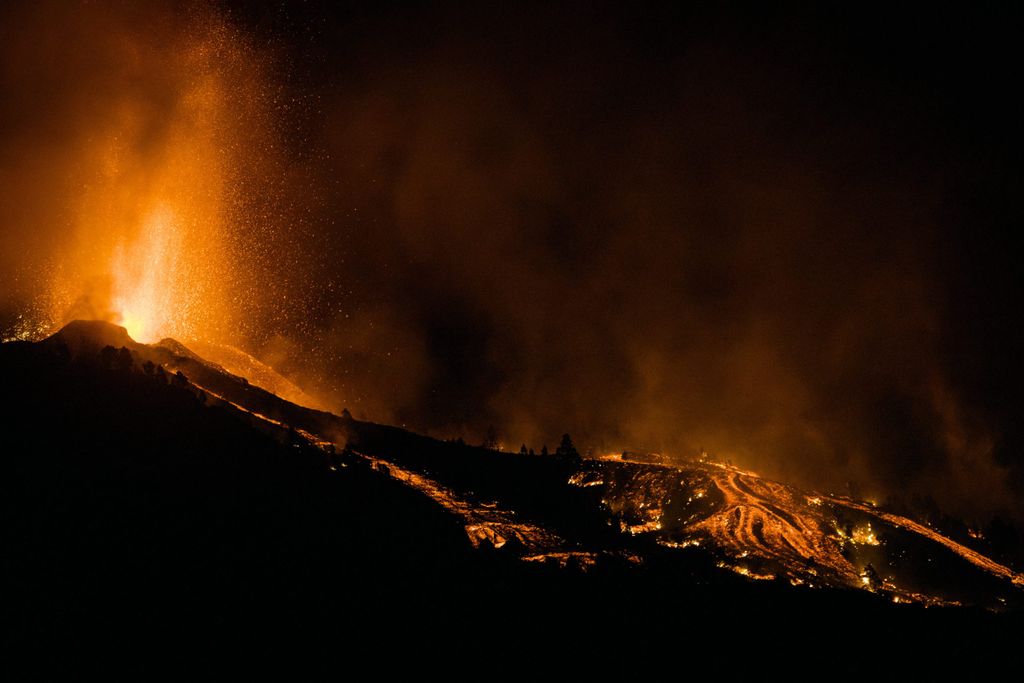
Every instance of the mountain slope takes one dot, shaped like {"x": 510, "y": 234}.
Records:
{"x": 150, "y": 522}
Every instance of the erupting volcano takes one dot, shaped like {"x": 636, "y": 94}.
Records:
{"x": 505, "y": 337}
{"x": 173, "y": 183}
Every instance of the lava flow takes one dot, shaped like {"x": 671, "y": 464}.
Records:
{"x": 764, "y": 529}
{"x": 771, "y": 520}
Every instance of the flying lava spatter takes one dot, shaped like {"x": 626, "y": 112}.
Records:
{"x": 172, "y": 174}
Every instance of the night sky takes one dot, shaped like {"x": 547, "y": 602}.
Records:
{"x": 784, "y": 236}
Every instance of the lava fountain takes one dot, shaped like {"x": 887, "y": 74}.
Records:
{"x": 153, "y": 187}
{"x": 146, "y": 278}
{"x": 171, "y": 172}
{"x": 150, "y": 250}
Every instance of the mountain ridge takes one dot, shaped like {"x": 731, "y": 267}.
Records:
{"x": 145, "y": 512}
{"x": 757, "y": 528}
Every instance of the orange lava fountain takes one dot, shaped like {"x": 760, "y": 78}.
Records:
{"x": 147, "y": 279}
{"x": 155, "y": 241}
{"x": 153, "y": 190}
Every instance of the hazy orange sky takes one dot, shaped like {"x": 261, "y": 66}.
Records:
{"x": 661, "y": 228}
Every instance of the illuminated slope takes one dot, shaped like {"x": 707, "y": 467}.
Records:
{"x": 613, "y": 507}
{"x": 766, "y": 530}
{"x": 221, "y": 369}
{"x": 242, "y": 364}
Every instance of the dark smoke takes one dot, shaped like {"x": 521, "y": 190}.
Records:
{"x": 779, "y": 238}
{"x": 679, "y": 232}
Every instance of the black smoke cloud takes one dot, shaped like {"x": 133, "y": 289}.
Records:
{"x": 780, "y": 238}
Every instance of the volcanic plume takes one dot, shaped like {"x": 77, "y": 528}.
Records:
{"x": 609, "y": 335}
{"x": 669, "y": 230}
{"x": 148, "y": 185}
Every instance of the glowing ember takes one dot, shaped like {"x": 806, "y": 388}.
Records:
{"x": 688, "y": 543}
{"x": 864, "y": 536}
{"x": 634, "y": 529}
{"x": 744, "y": 571}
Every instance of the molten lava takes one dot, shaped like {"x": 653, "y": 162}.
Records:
{"x": 147, "y": 280}
{"x": 763, "y": 529}
{"x": 173, "y": 174}
{"x": 173, "y": 223}
{"x": 150, "y": 250}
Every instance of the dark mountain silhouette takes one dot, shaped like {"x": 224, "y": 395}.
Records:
{"x": 162, "y": 514}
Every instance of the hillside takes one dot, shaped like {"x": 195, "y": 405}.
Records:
{"x": 154, "y": 522}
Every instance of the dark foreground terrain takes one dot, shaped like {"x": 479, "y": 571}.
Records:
{"x": 151, "y": 529}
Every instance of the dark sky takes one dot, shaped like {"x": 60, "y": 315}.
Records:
{"x": 784, "y": 236}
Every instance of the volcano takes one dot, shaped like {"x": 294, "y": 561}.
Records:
{"x": 154, "y": 495}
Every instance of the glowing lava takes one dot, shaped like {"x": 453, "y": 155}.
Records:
{"x": 152, "y": 226}
{"x": 146, "y": 293}
{"x": 764, "y": 529}
{"x": 172, "y": 186}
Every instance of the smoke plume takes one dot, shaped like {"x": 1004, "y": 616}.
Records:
{"x": 668, "y": 230}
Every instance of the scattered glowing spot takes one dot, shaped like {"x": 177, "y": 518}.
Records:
{"x": 864, "y": 536}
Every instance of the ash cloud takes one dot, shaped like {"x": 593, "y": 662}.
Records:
{"x": 677, "y": 233}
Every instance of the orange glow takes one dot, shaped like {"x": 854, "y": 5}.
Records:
{"x": 158, "y": 224}
{"x": 763, "y": 529}
{"x": 146, "y": 279}
{"x": 150, "y": 255}
{"x": 865, "y": 536}
{"x": 173, "y": 222}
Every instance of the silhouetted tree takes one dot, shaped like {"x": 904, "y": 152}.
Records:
{"x": 544, "y": 451}
{"x": 522, "y": 450}
{"x": 531, "y": 452}
{"x": 345, "y": 415}
{"x": 123, "y": 362}
{"x": 566, "y": 451}
{"x": 108, "y": 356}
{"x": 148, "y": 368}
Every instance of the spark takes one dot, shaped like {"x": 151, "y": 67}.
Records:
{"x": 168, "y": 235}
